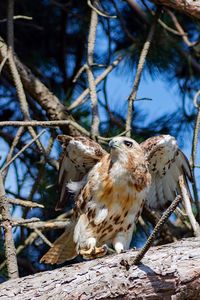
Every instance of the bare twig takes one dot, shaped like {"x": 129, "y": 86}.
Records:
{"x": 13, "y": 69}
{"x": 25, "y": 203}
{"x": 40, "y": 175}
{"x": 188, "y": 208}
{"x": 23, "y": 222}
{"x": 196, "y": 99}
{"x": 10, "y": 251}
{"x": 144, "y": 99}
{"x": 156, "y": 230}
{"x": 91, "y": 80}
{"x": 180, "y": 29}
{"x": 165, "y": 26}
{"x": 99, "y": 11}
{"x": 140, "y": 67}
{"x": 17, "y": 18}
{"x": 14, "y": 144}
{"x": 194, "y": 153}
{"x": 15, "y": 73}
{"x": 46, "y": 124}
{"x": 54, "y": 123}
{"x": 22, "y": 150}
{"x": 80, "y": 71}
{"x": 3, "y": 63}
{"x": 49, "y": 225}
{"x": 43, "y": 237}
{"x": 82, "y": 98}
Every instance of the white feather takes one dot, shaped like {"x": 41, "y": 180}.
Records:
{"x": 101, "y": 215}
{"x": 75, "y": 186}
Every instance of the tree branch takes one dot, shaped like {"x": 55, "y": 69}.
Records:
{"x": 138, "y": 75}
{"x": 91, "y": 80}
{"x": 168, "y": 272}
{"x": 157, "y": 229}
{"x": 21, "y": 151}
{"x": 82, "y": 98}
{"x": 10, "y": 251}
{"x": 194, "y": 152}
{"x": 189, "y": 7}
{"x": 188, "y": 208}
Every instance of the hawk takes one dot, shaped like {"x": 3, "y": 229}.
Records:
{"x": 110, "y": 189}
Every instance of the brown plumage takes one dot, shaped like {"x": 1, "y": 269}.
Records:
{"x": 112, "y": 191}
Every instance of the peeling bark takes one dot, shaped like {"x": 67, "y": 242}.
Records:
{"x": 167, "y": 272}
{"x": 189, "y": 7}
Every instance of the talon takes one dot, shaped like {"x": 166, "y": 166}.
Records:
{"x": 90, "y": 251}
{"x": 94, "y": 252}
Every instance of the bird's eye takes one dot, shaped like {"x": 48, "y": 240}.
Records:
{"x": 128, "y": 144}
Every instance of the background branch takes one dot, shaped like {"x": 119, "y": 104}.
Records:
{"x": 91, "y": 80}
{"x": 10, "y": 251}
{"x": 138, "y": 75}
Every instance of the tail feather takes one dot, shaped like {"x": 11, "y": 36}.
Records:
{"x": 64, "y": 248}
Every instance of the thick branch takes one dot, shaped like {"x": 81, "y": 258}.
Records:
{"x": 168, "y": 272}
{"x": 189, "y": 7}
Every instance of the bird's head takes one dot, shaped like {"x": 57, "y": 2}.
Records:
{"x": 121, "y": 146}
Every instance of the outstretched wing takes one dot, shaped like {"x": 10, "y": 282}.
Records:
{"x": 79, "y": 155}
{"x": 166, "y": 163}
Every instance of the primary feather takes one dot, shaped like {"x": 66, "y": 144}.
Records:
{"x": 79, "y": 155}
{"x": 166, "y": 163}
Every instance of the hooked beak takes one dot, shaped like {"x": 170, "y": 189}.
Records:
{"x": 113, "y": 144}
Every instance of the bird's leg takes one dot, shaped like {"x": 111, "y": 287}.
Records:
{"x": 119, "y": 242}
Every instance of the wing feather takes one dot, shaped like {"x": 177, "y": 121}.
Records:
{"x": 79, "y": 155}
{"x": 166, "y": 163}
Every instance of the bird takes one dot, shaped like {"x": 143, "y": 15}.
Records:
{"x": 109, "y": 191}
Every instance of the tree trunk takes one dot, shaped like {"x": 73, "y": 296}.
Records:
{"x": 167, "y": 272}
{"x": 189, "y": 7}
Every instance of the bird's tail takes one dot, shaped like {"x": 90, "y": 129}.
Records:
{"x": 63, "y": 248}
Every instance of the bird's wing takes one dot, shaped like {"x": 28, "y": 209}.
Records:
{"x": 166, "y": 163}
{"x": 79, "y": 155}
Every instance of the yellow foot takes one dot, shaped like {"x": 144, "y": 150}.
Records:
{"x": 94, "y": 252}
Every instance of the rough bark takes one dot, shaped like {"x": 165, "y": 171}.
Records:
{"x": 167, "y": 272}
{"x": 189, "y": 7}
{"x": 55, "y": 110}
